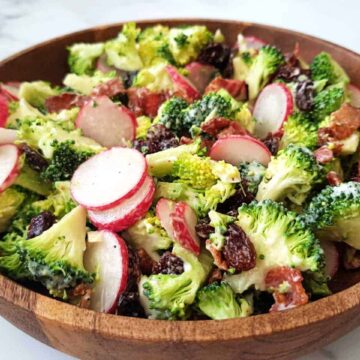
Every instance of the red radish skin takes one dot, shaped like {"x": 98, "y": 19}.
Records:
{"x": 9, "y": 165}
{"x": 184, "y": 220}
{"x": 4, "y": 110}
{"x": 332, "y": 257}
{"x": 183, "y": 85}
{"x": 108, "y": 178}
{"x": 200, "y": 75}
{"x": 235, "y": 149}
{"x": 164, "y": 208}
{"x": 128, "y": 212}
{"x": 7, "y": 136}
{"x": 10, "y": 90}
{"x": 354, "y": 93}
{"x": 109, "y": 258}
{"x": 254, "y": 42}
{"x": 272, "y": 108}
{"x": 107, "y": 123}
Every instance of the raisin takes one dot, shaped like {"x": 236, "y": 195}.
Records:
{"x": 129, "y": 305}
{"x": 217, "y": 55}
{"x": 128, "y": 78}
{"x": 215, "y": 276}
{"x": 263, "y": 301}
{"x": 239, "y": 252}
{"x": 241, "y": 196}
{"x": 145, "y": 261}
{"x": 169, "y": 264}
{"x": 272, "y": 142}
{"x": 158, "y": 138}
{"x": 34, "y": 159}
{"x": 40, "y": 223}
{"x": 204, "y": 229}
{"x": 288, "y": 73}
{"x": 304, "y": 95}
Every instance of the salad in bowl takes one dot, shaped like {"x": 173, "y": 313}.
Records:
{"x": 176, "y": 176}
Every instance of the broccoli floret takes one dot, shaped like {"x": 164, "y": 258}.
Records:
{"x": 171, "y": 115}
{"x": 168, "y": 296}
{"x": 82, "y": 57}
{"x": 154, "y": 78}
{"x": 334, "y": 213}
{"x": 265, "y": 64}
{"x": 122, "y": 52}
{"x": 218, "y": 302}
{"x": 148, "y": 234}
{"x": 280, "y": 238}
{"x": 85, "y": 84}
{"x": 185, "y": 43}
{"x": 35, "y": 93}
{"x": 252, "y": 173}
{"x": 161, "y": 163}
{"x": 316, "y": 283}
{"x": 324, "y": 67}
{"x": 291, "y": 174}
{"x": 219, "y": 222}
{"x": 10, "y": 202}
{"x": 143, "y": 125}
{"x": 327, "y": 101}
{"x": 54, "y": 258}
{"x": 194, "y": 171}
{"x": 65, "y": 160}
{"x": 299, "y": 129}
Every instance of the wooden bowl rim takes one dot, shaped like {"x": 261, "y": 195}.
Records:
{"x": 121, "y": 327}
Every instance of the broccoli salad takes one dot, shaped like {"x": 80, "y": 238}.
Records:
{"x": 176, "y": 176}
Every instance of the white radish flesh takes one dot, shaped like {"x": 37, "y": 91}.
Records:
{"x": 9, "y": 165}
{"x": 253, "y": 42}
{"x": 272, "y": 108}
{"x": 109, "y": 177}
{"x": 107, "y": 123}
{"x": 109, "y": 259}
{"x": 354, "y": 93}
{"x": 7, "y": 136}
{"x": 164, "y": 208}
{"x": 235, "y": 149}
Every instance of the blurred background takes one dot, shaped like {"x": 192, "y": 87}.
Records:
{"x": 24, "y": 23}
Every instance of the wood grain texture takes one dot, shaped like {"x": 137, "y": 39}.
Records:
{"x": 90, "y": 335}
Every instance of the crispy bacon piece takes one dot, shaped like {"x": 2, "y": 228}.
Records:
{"x": 333, "y": 178}
{"x": 286, "y": 284}
{"x": 217, "y": 255}
{"x": 236, "y": 88}
{"x": 234, "y": 128}
{"x": 215, "y": 276}
{"x": 64, "y": 101}
{"x": 145, "y": 261}
{"x": 110, "y": 88}
{"x": 144, "y": 102}
{"x": 344, "y": 122}
{"x": 323, "y": 155}
{"x": 81, "y": 294}
{"x": 351, "y": 259}
{"x": 220, "y": 127}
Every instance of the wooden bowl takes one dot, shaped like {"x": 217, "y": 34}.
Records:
{"x": 90, "y": 335}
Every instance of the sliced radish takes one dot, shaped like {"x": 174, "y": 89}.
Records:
{"x": 10, "y": 90}
{"x": 107, "y": 123}
{"x": 9, "y": 165}
{"x": 4, "y": 110}
{"x": 253, "y": 42}
{"x": 272, "y": 108}
{"x": 354, "y": 93}
{"x": 128, "y": 212}
{"x": 164, "y": 208}
{"x": 108, "y": 258}
{"x": 332, "y": 257}
{"x": 107, "y": 178}
{"x": 184, "y": 220}
{"x": 182, "y": 85}
{"x": 235, "y": 149}
{"x": 200, "y": 75}
{"x": 102, "y": 66}
{"x": 7, "y": 136}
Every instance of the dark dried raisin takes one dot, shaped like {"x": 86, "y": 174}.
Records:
{"x": 34, "y": 159}
{"x": 304, "y": 95}
{"x": 128, "y": 78}
{"x": 272, "y": 142}
{"x": 239, "y": 252}
{"x": 217, "y": 55}
{"x": 40, "y": 223}
{"x": 169, "y": 264}
{"x": 204, "y": 229}
{"x": 129, "y": 305}
{"x": 145, "y": 261}
{"x": 288, "y": 73}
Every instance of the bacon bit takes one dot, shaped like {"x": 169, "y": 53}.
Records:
{"x": 333, "y": 178}
{"x": 64, "y": 102}
{"x": 146, "y": 262}
{"x": 184, "y": 140}
{"x": 292, "y": 295}
{"x": 144, "y": 102}
{"x": 233, "y": 129}
{"x": 323, "y": 155}
{"x": 351, "y": 258}
{"x": 236, "y": 88}
{"x": 215, "y": 276}
{"x": 110, "y": 88}
{"x": 83, "y": 293}
{"x": 215, "y": 125}
{"x": 217, "y": 255}
{"x": 344, "y": 122}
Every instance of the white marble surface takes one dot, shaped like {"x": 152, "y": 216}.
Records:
{"x": 24, "y": 23}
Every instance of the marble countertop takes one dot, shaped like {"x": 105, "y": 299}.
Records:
{"x": 24, "y": 23}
